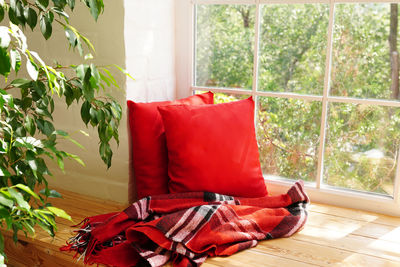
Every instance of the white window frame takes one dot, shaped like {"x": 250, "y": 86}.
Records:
{"x": 184, "y": 68}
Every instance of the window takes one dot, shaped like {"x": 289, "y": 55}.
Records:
{"x": 325, "y": 77}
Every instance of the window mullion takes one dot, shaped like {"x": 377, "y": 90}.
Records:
{"x": 255, "y": 59}
{"x": 396, "y": 190}
{"x": 256, "y": 45}
{"x": 325, "y": 96}
{"x": 192, "y": 46}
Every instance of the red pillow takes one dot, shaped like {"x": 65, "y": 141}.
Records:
{"x": 213, "y": 148}
{"x": 148, "y": 148}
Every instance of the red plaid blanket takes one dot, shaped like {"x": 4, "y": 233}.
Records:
{"x": 187, "y": 228}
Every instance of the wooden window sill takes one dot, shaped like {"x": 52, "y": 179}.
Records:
{"x": 332, "y": 236}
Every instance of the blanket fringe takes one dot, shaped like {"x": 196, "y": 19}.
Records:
{"x": 83, "y": 242}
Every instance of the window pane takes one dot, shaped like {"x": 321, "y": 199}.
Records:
{"x": 361, "y": 147}
{"x": 224, "y": 98}
{"x": 224, "y": 45}
{"x": 361, "y": 52}
{"x": 288, "y": 136}
{"x": 293, "y": 48}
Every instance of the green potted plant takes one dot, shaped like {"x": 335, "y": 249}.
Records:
{"x": 28, "y": 137}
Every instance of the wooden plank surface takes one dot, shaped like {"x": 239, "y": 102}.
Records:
{"x": 333, "y": 236}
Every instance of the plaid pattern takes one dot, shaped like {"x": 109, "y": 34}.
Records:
{"x": 187, "y": 228}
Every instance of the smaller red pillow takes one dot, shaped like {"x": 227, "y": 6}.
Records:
{"x": 213, "y": 148}
{"x": 148, "y": 149}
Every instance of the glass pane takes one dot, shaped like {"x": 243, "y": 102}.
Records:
{"x": 224, "y": 45}
{"x": 361, "y": 147}
{"x": 293, "y": 48}
{"x": 288, "y": 136}
{"x": 223, "y": 97}
{"x": 361, "y": 52}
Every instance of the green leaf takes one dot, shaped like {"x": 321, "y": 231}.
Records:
{"x": 75, "y": 142}
{"x": 30, "y": 17}
{"x": 6, "y": 201}
{"x": 93, "y": 116}
{"x": 19, "y": 198}
{"x": 94, "y": 8}
{"x": 50, "y": 16}
{"x": 19, "y": 12}
{"x": 88, "y": 91}
{"x": 60, "y": 12}
{"x": 44, "y": 112}
{"x": 15, "y": 60}
{"x": 62, "y": 133}
{"x": 1, "y": 13}
{"x": 47, "y": 128}
{"x": 47, "y": 228}
{"x": 27, "y": 225}
{"x": 45, "y": 26}
{"x": 5, "y": 38}
{"x": 2, "y": 249}
{"x": 5, "y": 62}
{"x": 31, "y": 159}
{"x": 60, "y": 213}
{"x": 106, "y": 153}
{"x": 71, "y": 37}
{"x": 52, "y": 193}
{"x": 77, "y": 159}
{"x": 88, "y": 56}
{"x": 81, "y": 71}
{"x": 28, "y": 142}
{"x": 4, "y": 172}
{"x": 9, "y": 222}
{"x": 105, "y": 79}
{"x": 10, "y": 100}
{"x": 71, "y": 4}
{"x": 69, "y": 95}
{"x": 16, "y": 226}
{"x": 60, "y": 162}
{"x": 27, "y": 189}
{"x": 20, "y": 83}
{"x": 43, "y": 3}
{"x": 95, "y": 78}
{"x": 26, "y": 103}
{"x": 30, "y": 125}
{"x": 13, "y": 16}
{"x": 84, "y": 133}
{"x": 60, "y": 3}
{"x": 32, "y": 70}
{"x": 100, "y": 116}
{"x": 85, "y": 115}
{"x": 40, "y": 88}
{"x": 123, "y": 71}
{"x": 87, "y": 41}
{"x": 13, "y": 5}
{"x": 42, "y": 167}
{"x": 110, "y": 77}
{"x": 4, "y": 212}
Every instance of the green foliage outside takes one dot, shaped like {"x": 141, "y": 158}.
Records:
{"x": 28, "y": 135}
{"x": 362, "y": 141}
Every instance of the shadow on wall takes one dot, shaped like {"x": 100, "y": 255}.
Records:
{"x": 107, "y": 36}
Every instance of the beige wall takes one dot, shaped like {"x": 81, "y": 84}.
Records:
{"x": 107, "y": 36}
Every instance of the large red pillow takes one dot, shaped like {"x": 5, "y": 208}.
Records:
{"x": 213, "y": 148}
{"x": 148, "y": 149}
